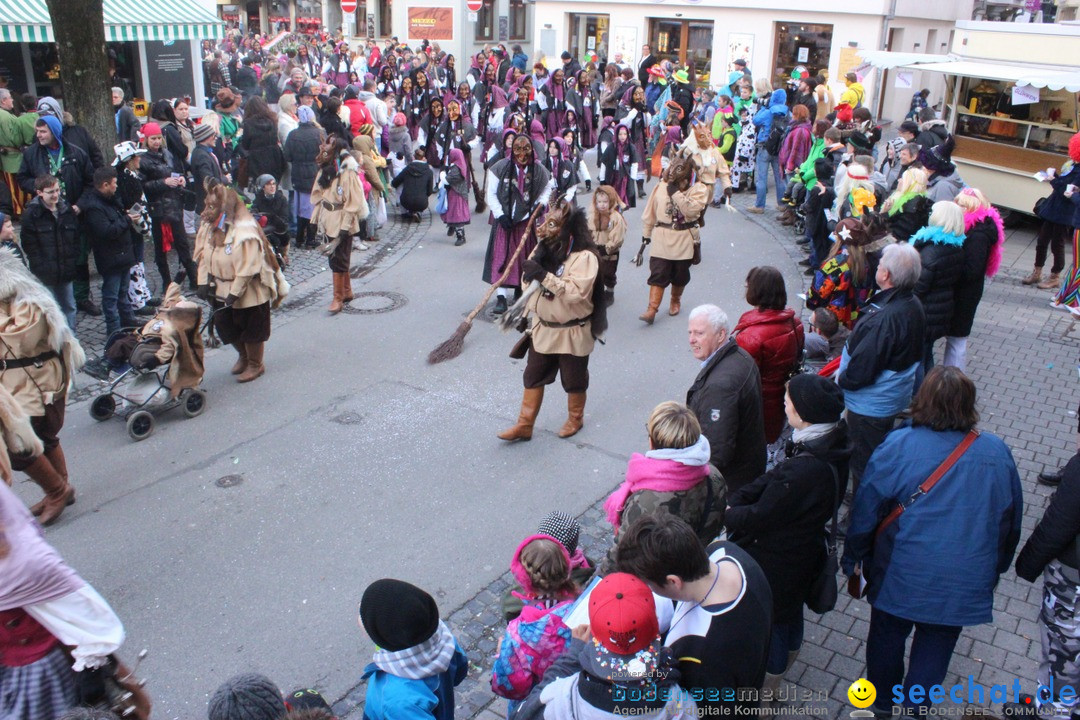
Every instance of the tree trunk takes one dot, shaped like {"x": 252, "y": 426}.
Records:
{"x": 79, "y": 29}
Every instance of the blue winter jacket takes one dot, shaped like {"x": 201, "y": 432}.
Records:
{"x": 390, "y": 697}
{"x": 940, "y": 560}
{"x": 764, "y": 117}
{"x": 1058, "y": 208}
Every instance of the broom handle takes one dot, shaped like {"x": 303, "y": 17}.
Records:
{"x": 506, "y": 273}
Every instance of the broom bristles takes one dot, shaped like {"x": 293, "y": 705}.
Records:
{"x": 452, "y": 347}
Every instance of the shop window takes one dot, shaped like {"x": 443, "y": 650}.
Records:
{"x": 588, "y": 34}
{"x": 987, "y": 113}
{"x": 386, "y": 18}
{"x": 801, "y": 44}
{"x": 684, "y": 42}
{"x": 518, "y": 20}
{"x": 485, "y": 21}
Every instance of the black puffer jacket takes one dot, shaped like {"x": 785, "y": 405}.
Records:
{"x": 888, "y": 336}
{"x": 301, "y": 149}
{"x": 109, "y": 231}
{"x": 80, "y": 137}
{"x": 780, "y": 518}
{"x": 50, "y": 242}
{"x": 276, "y": 210}
{"x": 942, "y": 264}
{"x": 1054, "y": 537}
{"x": 164, "y": 202}
{"x": 76, "y": 173}
{"x": 259, "y": 144}
{"x": 978, "y": 242}
{"x": 907, "y": 221}
{"x": 417, "y": 183}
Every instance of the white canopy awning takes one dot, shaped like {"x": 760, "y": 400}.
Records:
{"x": 887, "y": 60}
{"x": 1069, "y": 80}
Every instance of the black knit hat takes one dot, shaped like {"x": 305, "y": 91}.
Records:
{"x": 859, "y": 141}
{"x": 398, "y": 615}
{"x": 246, "y": 697}
{"x": 816, "y": 399}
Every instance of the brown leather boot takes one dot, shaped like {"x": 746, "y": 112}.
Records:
{"x": 335, "y": 304}
{"x": 1034, "y": 277}
{"x": 530, "y": 408}
{"x": 57, "y": 491}
{"x": 575, "y": 416}
{"x": 787, "y": 217}
{"x": 346, "y": 287}
{"x": 255, "y": 367}
{"x": 241, "y": 361}
{"x": 676, "y": 300}
{"x": 656, "y": 296}
{"x": 1051, "y": 283}
{"x": 59, "y": 463}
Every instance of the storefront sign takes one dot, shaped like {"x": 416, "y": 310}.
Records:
{"x": 1024, "y": 95}
{"x": 168, "y": 67}
{"x": 740, "y": 47}
{"x": 624, "y": 39}
{"x": 804, "y": 54}
{"x": 904, "y": 79}
{"x": 371, "y": 26}
{"x": 504, "y": 28}
{"x": 431, "y": 23}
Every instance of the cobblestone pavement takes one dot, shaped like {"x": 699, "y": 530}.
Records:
{"x": 1022, "y": 356}
{"x": 395, "y": 239}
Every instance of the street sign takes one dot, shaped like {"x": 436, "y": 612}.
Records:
{"x": 474, "y": 5}
{"x": 472, "y": 18}
{"x": 348, "y": 6}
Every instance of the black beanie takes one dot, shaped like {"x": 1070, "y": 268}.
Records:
{"x": 398, "y": 615}
{"x": 816, "y": 399}
{"x": 246, "y": 697}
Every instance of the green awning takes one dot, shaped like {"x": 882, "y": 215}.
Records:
{"x": 28, "y": 21}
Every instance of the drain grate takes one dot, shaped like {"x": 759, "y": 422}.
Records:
{"x": 374, "y": 303}
{"x": 228, "y": 481}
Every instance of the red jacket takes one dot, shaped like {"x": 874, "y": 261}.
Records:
{"x": 358, "y": 115}
{"x": 774, "y": 338}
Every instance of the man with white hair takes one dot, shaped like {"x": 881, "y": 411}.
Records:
{"x": 127, "y": 125}
{"x": 877, "y": 367}
{"x": 726, "y": 397}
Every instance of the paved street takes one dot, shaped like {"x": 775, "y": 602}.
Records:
{"x": 357, "y": 460}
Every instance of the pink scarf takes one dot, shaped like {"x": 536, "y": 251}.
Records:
{"x": 643, "y": 473}
{"x": 977, "y": 216}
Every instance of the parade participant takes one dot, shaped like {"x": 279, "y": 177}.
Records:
{"x": 457, "y": 132}
{"x": 632, "y": 113}
{"x": 406, "y": 102}
{"x": 519, "y": 103}
{"x": 338, "y": 66}
{"x": 49, "y": 235}
{"x": 552, "y": 100}
{"x": 576, "y": 156}
{"x": 237, "y": 265}
{"x": 338, "y": 207}
{"x": 619, "y": 162}
{"x": 428, "y": 134}
{"x": 514, "y": 187}
{"x": 14, "y": 137}
{"x": 417, "y": 662}
{"x": 609, "y": 231}
{"x": 455, "y": 180}
{"x": 40, "y": 355}
{"x": 568, "y": 314}
{"x": 671, "y": 219}
{"x": 52, "y": 623}
{"x": 564, "y": 175}
{"x": 586, "y": 106}
{"x": 709, "y": 163}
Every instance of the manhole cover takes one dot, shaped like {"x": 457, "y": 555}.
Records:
{"x": 373, "y": 303}
{"x": 348, "y": 418}
{"x": 228, "y": 481}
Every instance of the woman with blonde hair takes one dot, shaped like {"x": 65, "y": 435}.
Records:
{"x": 984, "y": 237}
{"x": 941, "y": 249}
{"x": 908, "y": 208}
{"x": 674, "y": 477}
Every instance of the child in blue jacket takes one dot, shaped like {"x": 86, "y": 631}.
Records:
{"x": 417, "y": 661}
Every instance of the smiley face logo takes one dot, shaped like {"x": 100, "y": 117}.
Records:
{"x": 862, "y": 693}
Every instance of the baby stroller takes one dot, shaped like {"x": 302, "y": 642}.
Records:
{"x": 163, "y": 366}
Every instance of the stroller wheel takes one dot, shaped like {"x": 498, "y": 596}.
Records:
{"x": 140, "y": 425}
{"x": 103, "y": 407}
{"x": 194, "y": 403}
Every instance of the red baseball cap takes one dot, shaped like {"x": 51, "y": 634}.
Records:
{"x": 622, "y": 614}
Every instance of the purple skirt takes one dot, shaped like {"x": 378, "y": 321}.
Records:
{"x": 457, "y": 209}
{"x": 501, "y": 247}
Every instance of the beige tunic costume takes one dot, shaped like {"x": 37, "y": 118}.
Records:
{"x": 568, "y": 298}
{"x": 658, "y": 224}
{"x": 238, "y": 262}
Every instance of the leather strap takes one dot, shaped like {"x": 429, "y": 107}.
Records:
{"x": 928, "y": 484}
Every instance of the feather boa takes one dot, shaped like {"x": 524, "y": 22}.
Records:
{"x": 938, "y": 236}
{"x": 993, "y": 263}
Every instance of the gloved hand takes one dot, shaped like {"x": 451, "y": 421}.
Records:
{"x": 588, "y": 186}
{"x": 640, "y": 257}
{"x": 202, "y": 292}
{"x": 230, "y": 300}
{"x": 263, "y": 220}
{"x": 532, "y": 270}
{"x": 672, "y": 188}
{"x": 506, "y": 222}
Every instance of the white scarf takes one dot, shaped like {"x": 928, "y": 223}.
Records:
{"x": 695, "y": 455}
{"x": 812, "y": 432}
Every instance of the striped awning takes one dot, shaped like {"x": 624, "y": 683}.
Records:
{"x": 28, "y": 21}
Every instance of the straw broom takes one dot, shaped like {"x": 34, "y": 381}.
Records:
{"x": 453, "y": 346}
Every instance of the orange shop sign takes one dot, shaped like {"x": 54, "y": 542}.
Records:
{"x": 431, "y": 23}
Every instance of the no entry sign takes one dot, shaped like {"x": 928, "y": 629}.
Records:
{"x": 348, "y": 6}
{"x": 474, "y": 5}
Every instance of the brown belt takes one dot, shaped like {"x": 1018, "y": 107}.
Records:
{"x": 327, "y": 205}
{"x": 570, "y": 323}
{"x": 37, "y": 361}
{"x": 677, "y": 226}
